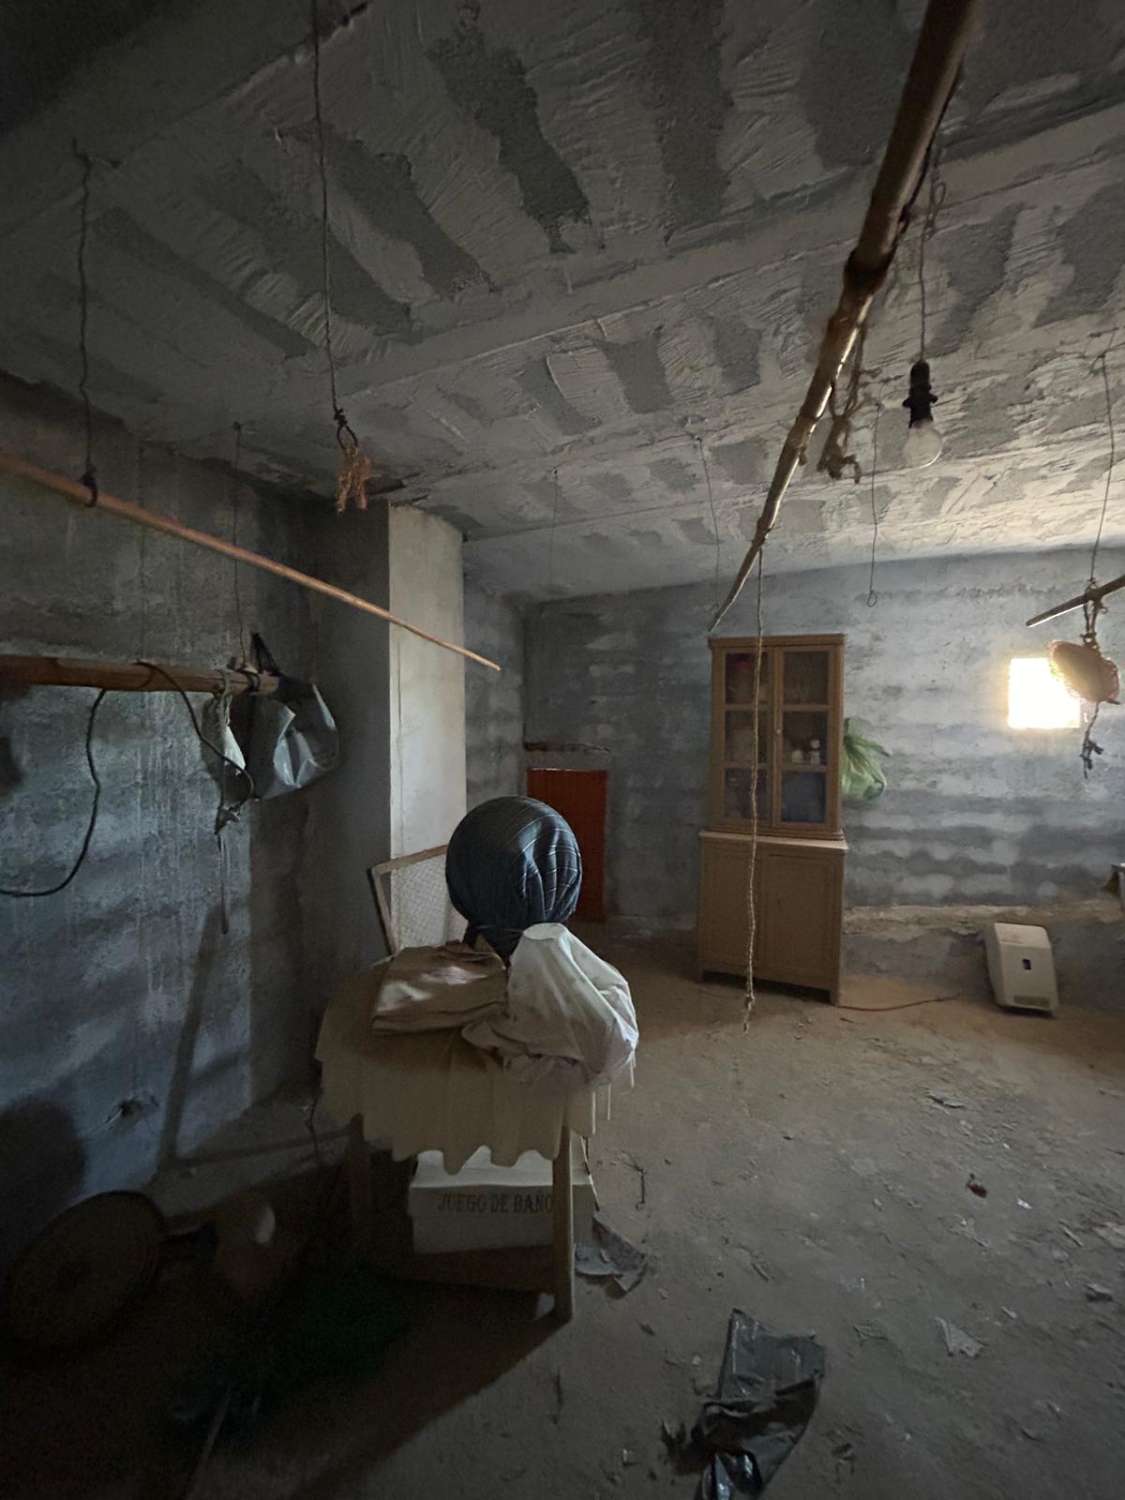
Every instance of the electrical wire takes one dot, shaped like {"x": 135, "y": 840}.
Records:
{"x": 200, "y": 736}
{"x": 714, "y": 521}
{"x": 234, "y": 539}
{"x": 89, "y": 476}
{"x": 53, "y": 890}
{"x": 929, "y": 224}
{"x": 875, "y": 1010}
{"x": 872, "y": 596}
{"x": 1103, "y": 360}
{"x": 551, "y": 539}
{"x": 343, "y": 426}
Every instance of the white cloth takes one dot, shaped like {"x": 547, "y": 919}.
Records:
{"x": 569, "y": 1013}
{"x": 433, "y": 1091}
{"x": 428, "y": 989}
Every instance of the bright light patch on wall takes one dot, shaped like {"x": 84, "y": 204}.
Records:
{"x": 1036, "y": 697}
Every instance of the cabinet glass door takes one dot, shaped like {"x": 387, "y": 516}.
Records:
{"x": 746, "y": 761}
{"x": 803, "y": 743}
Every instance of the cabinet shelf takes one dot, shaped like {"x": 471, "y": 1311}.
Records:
{"x": 800, "y": 708}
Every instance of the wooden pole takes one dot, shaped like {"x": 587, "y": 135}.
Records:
{"x": 77, "y": 493}
{"x": 129, "y": 676}
{"x": 562, "y": 1236}
{"x": 942, "y": 42}
{"x": 1093, "y": 595}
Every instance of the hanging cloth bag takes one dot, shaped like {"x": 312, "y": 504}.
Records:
{"x": 292, "y": 739}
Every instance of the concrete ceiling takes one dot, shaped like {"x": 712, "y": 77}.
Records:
{"x": 593, "y": 236}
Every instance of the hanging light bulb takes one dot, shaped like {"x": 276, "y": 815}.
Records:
{"x": 923, "y": 440}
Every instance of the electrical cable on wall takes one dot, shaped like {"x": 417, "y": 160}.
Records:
{"x": 53, "y": 890}
{"x": 92, "y": 823}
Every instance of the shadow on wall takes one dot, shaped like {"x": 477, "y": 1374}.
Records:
{"x": 180, "y": 1080}
{"x": 282, "y": 1037}
{"x": 42, "y": 1167}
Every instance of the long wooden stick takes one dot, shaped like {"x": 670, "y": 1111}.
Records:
{"x": 945, "y": 34}
{"x": 1093, "y": 595}
{"x": 77, "y": 493}
{"x": 129, "y": 676}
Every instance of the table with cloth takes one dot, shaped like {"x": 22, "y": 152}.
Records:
{"x": 433, "y": 1090}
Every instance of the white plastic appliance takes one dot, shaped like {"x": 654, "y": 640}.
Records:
{"x": 1021, "y": 967}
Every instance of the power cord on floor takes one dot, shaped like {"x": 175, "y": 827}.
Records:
{"x": 874, "y": 1010}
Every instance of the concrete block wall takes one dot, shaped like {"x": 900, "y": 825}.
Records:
{"x": 975, "y": 812}
{"x": 494, "y": 703}
{"x": 122, "y": 990}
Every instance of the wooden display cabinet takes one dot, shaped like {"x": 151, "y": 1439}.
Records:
{"x": 793, "y": 768}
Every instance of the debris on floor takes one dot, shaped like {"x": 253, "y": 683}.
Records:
{"x": 332, "y": 1323}
{"x": 946, "y": 1101}
{"x": 1096, "y": 1292}
{"x": 767, "y": 1392}
{"x": 610, "y": 1257}
{"x": 977, "y": 1187}
{"x": 1112, "y": 1234}
{"x": 957, "y": 1341}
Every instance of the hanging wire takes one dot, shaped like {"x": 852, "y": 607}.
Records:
{"x": 355, "y": 467}
{"x": 872, "y": 596}
{"x": 714, "y": 521}
{"x": 836, "y": 459}
{"x": 234, "y": 538}
{"x": 751, "y": 899}
{"x": 929, "y": 223}
{"x": 551, "y": 541}
{"x": 89, "y": 475}
{"x": 53, "y": 890}
{"x": 248, "y": 780}
{"x": 325, "y": 266}
{"x": 1092, "y": 608}
{"x": 1103, "y": 360}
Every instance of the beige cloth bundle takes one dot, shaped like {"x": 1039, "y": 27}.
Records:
{"x": 436, "y": 988}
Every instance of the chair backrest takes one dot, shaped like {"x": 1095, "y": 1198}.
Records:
{"x": 412, "y": 900}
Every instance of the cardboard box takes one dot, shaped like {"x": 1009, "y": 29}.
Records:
{"x": 484, "y": 1207}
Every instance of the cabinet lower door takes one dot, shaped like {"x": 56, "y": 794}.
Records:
{"x": 723, "y": 917}
{"x": 800, "y": 918}
{"x": 798, "y": 889}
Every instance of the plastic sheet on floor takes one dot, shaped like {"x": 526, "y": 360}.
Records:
{"x": 767, "y": 1392}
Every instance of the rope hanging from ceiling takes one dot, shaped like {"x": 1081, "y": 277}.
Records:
{"x": 356, "y": 467}
{"x": 89, "y": 474}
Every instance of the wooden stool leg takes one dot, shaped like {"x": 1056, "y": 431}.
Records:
{"x": 359, "y": 1187}
{"x": 562, "y": 1199}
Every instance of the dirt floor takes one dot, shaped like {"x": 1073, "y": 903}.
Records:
{"x": 813, "y": 1170}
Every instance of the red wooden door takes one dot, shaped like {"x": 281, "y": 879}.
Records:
{"x": 580, "y": 796}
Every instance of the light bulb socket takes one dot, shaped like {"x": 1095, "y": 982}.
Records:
{"x": 921, "y": 400}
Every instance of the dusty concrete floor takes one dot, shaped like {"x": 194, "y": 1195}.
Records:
{"x": 802, "y": 1170}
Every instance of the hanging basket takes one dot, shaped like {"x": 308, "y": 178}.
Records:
{"x": 1084, "y": 671}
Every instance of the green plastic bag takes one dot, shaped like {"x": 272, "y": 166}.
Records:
{"x": 862, "y": 777}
